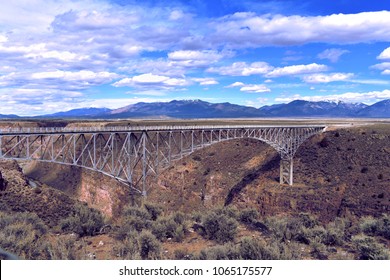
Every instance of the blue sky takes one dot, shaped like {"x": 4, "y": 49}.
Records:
{"x": 57, "y": 55}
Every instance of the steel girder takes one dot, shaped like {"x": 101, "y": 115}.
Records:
{"x": 136, "y": 155}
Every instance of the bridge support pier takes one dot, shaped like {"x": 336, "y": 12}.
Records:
{"x": 286, "y": 171}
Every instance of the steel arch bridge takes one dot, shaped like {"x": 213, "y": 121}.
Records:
{"x": 136, "y": 155}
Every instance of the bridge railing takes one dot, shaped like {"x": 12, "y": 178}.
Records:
{"x": 48, "y": 130}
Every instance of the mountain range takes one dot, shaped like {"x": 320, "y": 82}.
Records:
{"x": 202, "y": 109}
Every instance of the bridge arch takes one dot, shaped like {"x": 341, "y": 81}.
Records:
{"x": 136, "y": 155}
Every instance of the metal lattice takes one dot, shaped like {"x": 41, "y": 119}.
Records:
{"x": 135, "y": 155}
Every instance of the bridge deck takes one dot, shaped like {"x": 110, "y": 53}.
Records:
{"x": 121, "y": 129}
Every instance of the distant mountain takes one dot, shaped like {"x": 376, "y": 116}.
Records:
{"x": 202, "y": 109}
{"x": 185, "y": 109}
{"x": 79, "y": 113}
{"x": 380, "y": 109}
{"x": 9, "y": 116}
{"x": 301, "y": 108}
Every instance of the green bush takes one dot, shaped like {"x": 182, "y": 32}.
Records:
{"x": 84, "y": 221}
{"x": 288, "y": 228}
{"x": 61, "y": 249}
{"x": 220, "y": 227}
{"x": 20, "y": 234}
{"x": 149, "y": 246}
{"x": 369, "y": 249}
{"x": 170, "y": 227}
{"x": 376, "y": 227}
{"x": 129, "y": 248}
{"x": 249, "y": 216}
{"x": 153, "y": 210}
{"x": 139, "y": 212}
{"x": 221, "y": 252}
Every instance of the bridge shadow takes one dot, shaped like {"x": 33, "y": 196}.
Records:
{"x": 271, "y": 163}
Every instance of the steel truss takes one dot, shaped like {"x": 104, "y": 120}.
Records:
{"x": 136, "y": 155}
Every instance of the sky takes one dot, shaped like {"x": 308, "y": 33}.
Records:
{"x": 58, "y": 55}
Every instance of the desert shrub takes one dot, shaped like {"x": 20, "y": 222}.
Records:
{"x": 172, "y": 226}
{"x": 128, "y": 249}
{"x": 220, "y": 227}
{"x": 384, "y": 226}
{"x": 153, "y": 210}
{"x": 229, "y": 211}
{"x": 369, "y": 249}
{"x": 376, "y": 227}
{"x": 318, "y": 250}
{"x": 60, "y": 249}
{"x": 364, "y": 170}
{"x": 149, "y": 246}
{"x": 183, "y": 254}
{"x": 179, "y": 218}
{"x": 324, "y": 142}
{"x": 249, "y": 216}
{"x": 197, "y": 216}
{"x": 228, "y": 251}
{"x": 253, "y": 249}
{"x": 197, "y": 158}
{"x": 139, "y": 212}
{"x": 136, "y": 219}
{"x": 84, "y": 221}
{"x": 288, "y": 229}
{"x": 20, "y": 234}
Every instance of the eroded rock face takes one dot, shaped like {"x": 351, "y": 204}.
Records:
{"x": 3, "y": 183}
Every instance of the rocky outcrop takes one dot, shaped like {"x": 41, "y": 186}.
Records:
{"x": 3, "y": 183}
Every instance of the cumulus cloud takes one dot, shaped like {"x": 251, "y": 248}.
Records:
{"x": 206, "y": 81}
{"x": 30, "y": 101}
{"x": 353, "y": 97}
{"x": 386, "y": 72}
{"x": 333, "y": 55}
{"x": 296, "y": 70}
{"x": 384, "y": 66}
{"x": 188, "y": 58}
{"x": 253, "y": 88}
{"x": 327, "y": 78}
{"x": 242, "y": 69}
{"x": 151, "y": 80}
{"x": 252, "y": 30}
{"x": 385, "y": 54}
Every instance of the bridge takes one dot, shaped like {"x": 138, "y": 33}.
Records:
{"x": 136, "y": 155}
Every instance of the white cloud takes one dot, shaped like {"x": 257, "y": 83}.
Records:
{"x": 236, "y": 84}
{"x": 3, "y": 39}
{"x": 385, "y": 66}
{"x": 257, "y": 103}
{"x": 297, "y": 69}
{"x": 332, "y": 55}
{"x": 352, "y": 97}
{"x": 386, "y": 72}
{"x": 243, "y": 30}
{"x": 242, "y": 69}
{"x": 187, "y": 58}
{"x": 176, "y": 15}
{"x": 151, "y": 80}
{"x": 84, "y": 75}
{"x": 382, "y": 66}
{"x": 255, "y": 88}
{"x": 327, "y": 78}
{"x": 385, "y": 54}
{"x": 250, "y": 87}
{"x": 206, "y": 81}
